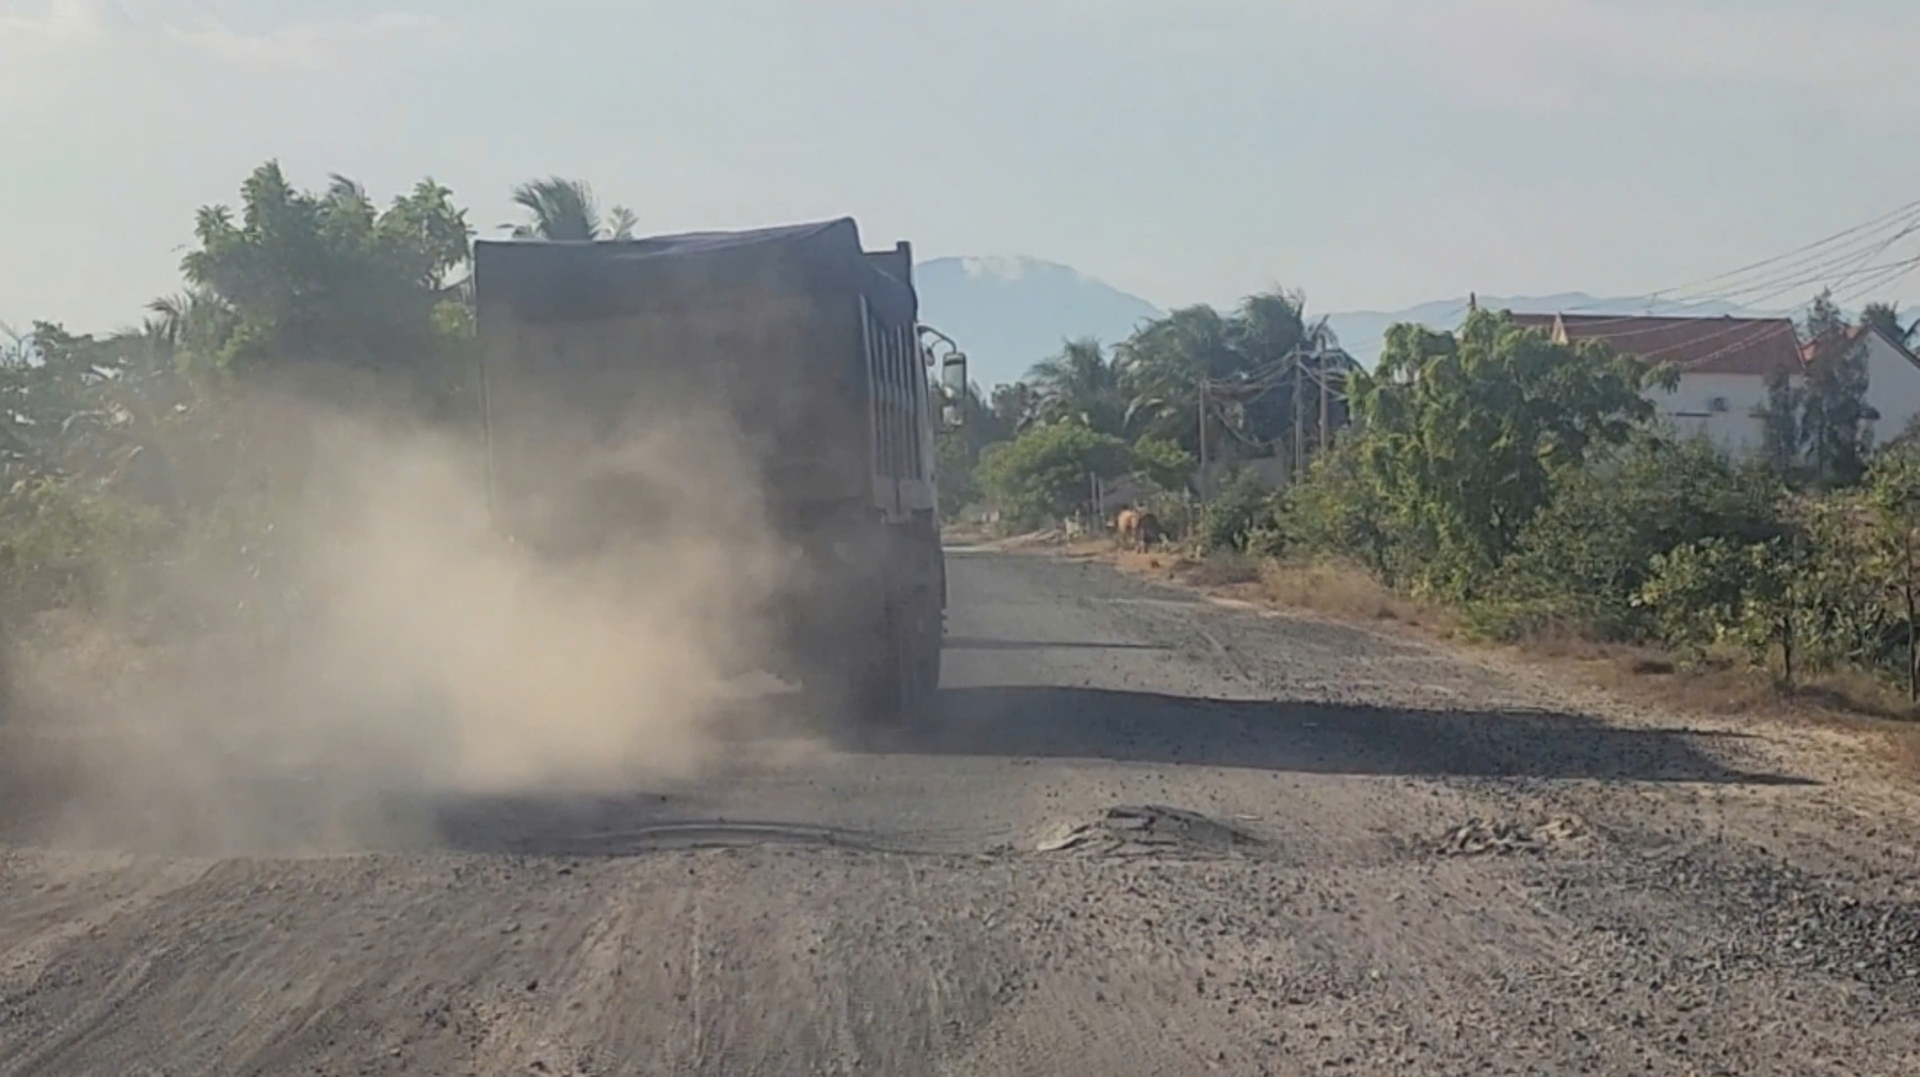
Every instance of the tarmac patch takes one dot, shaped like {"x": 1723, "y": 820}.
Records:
{"x": 1486, "y": 837}
{"x": 1135, "y": 830}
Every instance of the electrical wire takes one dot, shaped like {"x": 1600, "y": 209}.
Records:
{"x": 1831, "y": 262}
{"x": 1902, "y": 220}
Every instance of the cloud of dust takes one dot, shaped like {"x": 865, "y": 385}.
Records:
{"x": 376, "y": 643}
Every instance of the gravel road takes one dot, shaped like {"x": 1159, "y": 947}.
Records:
{"x": 1147, "y": 834}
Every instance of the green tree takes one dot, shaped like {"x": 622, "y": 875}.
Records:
{"x": 1886, "y": 318}
{"x": 1715, "y": 591}
{"x": 953, "y": 472}
{"x": 1265, "y": 330}
{"x": 1042, "y": 476}
{"x": 566, "y": 210}
{"x": 1338, "y": 510}
{"x": 1783, "y": 437}
{"x": 1245, "y": 355}
{"x": 1163, "y": 364}
{"x": 96, "y": 414}
{"x": 1162, "y": 463}
{"x": 1893, "y": 495}
{"x": 1079, "y": 384}
{"x": 301, "y": 276}
{"x": 1015, "y": 407}
{"x": 1244, "y": 511}
{"x": 1468, "y": 433}
{"x": 1836, "y": 412}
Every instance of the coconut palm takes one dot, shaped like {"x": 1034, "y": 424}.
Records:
{"x": 622, "y": 222}
{"x": 566, "y": 210}
{"x": 194, "y": 320}
{"x": 1245, "y": 355}
{"x": 1080, "y": 383}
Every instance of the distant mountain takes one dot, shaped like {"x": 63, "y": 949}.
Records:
{"x": 1008, "y": 313}
{"x": 1361, "y": 332}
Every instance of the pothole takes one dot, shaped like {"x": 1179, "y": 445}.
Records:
{"x": 1133, "y": 830}
{"x": 1492, "y": 837}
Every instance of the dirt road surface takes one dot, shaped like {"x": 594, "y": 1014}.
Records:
{"x": 1146, "y": 835}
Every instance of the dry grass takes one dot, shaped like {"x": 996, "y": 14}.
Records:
{"x": 1907, "y": 751}
{"x": 966, "y": 534}
{"x": 1721, "y": 685}
{"x": 1344, "y": 591}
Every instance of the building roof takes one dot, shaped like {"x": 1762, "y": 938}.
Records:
{"x": 1724, "y": 345}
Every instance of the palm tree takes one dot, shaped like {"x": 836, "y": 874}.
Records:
{"x": 1081, "y": 384}
{"x": 566, "y": 210}
{"x": 1163, "y": 363}
{"x": 1014, "y": 407}
{"x": 622, "y": 221}
{"x": 194, "y": 321}
{"x": 1245, "y": 355}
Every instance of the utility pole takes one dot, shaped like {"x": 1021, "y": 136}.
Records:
{"x": 1299, "y": 416}
{"x": 1202, "y": 484}
{"x": 1320, "y": 369}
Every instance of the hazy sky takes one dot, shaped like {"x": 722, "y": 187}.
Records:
{"x": 1375, "y": 153}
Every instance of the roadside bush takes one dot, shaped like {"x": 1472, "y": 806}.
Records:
{"x": 60, "y": 547}
{"x": 1583, "y": 559}
{"x": 1162, "y": 463}
{"x": 1244, "y": 517}
{"x": 953, "y": 472}
{"x": 1040, "y": 477}
{"x": 1337, "y": 511}
{"x": 1713, "y": 591}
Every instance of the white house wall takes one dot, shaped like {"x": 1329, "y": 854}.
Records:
{"x": 1722, "y": 407}
{"x": 1893, "y": 387}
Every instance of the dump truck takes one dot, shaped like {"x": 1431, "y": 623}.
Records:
{"x": 809, "y": 349}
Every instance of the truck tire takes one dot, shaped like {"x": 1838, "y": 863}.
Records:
{"x": 893, "y": 680}
{"x": 882, "y": 665}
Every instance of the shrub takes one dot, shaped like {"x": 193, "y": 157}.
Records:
{"x": 60, "y": 547}
{"x": 1162, "y": 463}
{"x": 1041, "y": 476}
{"x": 1337, "y": 511}
{"x": 1581, "y": 561}
{"x": 1245, "y": 511}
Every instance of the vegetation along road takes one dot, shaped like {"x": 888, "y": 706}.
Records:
{"x": 1148, "y": 833}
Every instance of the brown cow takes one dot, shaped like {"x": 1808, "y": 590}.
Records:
{"x": 1147, "y": 530}
{"x": 1136, "y": 530}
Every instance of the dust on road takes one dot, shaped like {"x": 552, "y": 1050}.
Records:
{"x": 1145, "y": 835}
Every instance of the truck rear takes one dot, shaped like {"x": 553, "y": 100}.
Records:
{"x": 804, "y": 352}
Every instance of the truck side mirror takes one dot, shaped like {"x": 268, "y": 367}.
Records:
{"x": 953, "y": 385}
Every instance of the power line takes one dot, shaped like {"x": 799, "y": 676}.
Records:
{"x": 1834, "y": 260}
{"x": 1909, "y": 210}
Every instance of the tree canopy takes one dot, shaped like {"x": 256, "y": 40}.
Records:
{"x": 1467, "y": 432}
{"x": 302, "y": 275}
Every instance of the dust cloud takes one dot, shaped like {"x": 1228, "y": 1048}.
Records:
{"x": 366, "y": 643}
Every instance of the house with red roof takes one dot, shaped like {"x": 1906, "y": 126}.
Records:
{"x": 1723, "y": 364}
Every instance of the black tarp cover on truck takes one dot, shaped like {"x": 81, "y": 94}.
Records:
{"x": 545, "y": 281}
{"x": 753, "y": 341}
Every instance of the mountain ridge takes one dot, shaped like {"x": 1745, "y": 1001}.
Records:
{"x": 1008, "y": 312}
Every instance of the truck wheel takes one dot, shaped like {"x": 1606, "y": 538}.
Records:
{"x": 931, "y": 639}
{"x": 867, "y": 685}
{"x": 898, "y": 685}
